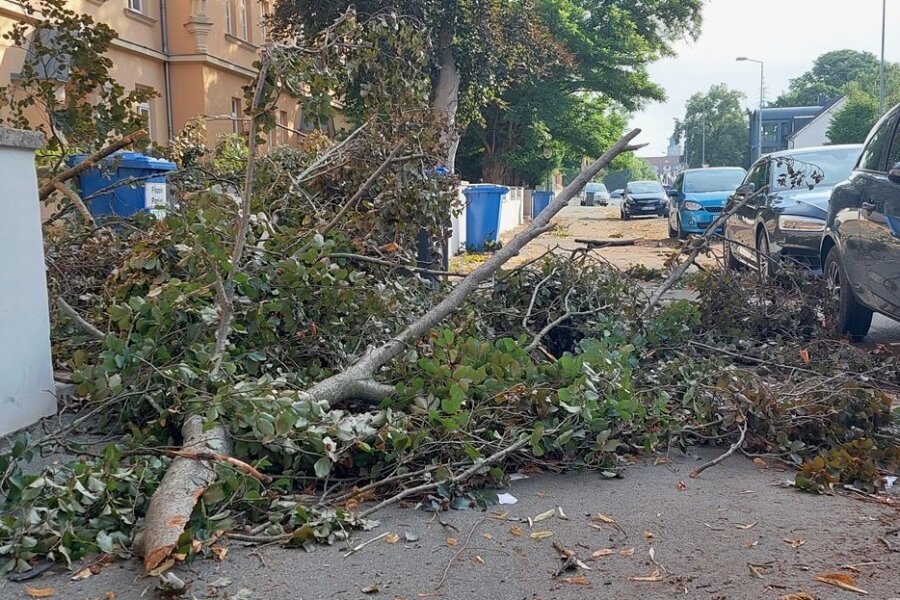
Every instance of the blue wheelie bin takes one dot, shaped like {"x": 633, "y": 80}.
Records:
{"x": 483, "y": 214}
{"x": 540, "y": 201}
{"x": 146, "y": 193}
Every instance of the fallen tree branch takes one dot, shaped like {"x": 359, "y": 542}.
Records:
{"x": 427, "y": 487}
{"x": 240, "y": 465}
{"x": 49, "y": 187}
{"x": 337, "y": 387}
{"x": 393, "y": 265}
{"x": 79, "y": 320}
{"x": 75, "y": 199}
{"x": 185, "y": 481}
{"x": 743, "y": 428}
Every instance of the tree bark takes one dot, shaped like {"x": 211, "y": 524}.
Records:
{"x": 185, "y": 481}
{"x": 445, "y": 98}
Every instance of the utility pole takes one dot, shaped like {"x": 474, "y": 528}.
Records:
{"x": 883, "y": 36}
{"x": 762, "y": 96}
{"x": 703, "y": 138}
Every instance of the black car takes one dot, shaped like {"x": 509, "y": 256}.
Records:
{"x": 644, "y": 199}
{"x": 861, "y": 244}
{"x": 784, "y": 223}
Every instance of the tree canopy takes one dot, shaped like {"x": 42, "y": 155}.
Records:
{"x": 719, "y": 112}
{"x": 829, "y": 77}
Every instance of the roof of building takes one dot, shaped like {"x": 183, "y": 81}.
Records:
{"x": 791, "y": 112}
{"x": 826, "y": 110}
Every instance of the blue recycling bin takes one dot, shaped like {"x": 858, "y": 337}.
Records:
{"x": 147, "y": 194}
{"x": 540, "y": 201}
{"x": 483, "y": 214}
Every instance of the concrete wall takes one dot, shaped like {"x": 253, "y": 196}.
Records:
{"x": 511, "y": 209}
{"x": 26, "y": 370}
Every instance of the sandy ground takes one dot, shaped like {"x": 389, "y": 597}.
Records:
{"x": 652, "y": 242}
{"x": 733, "y": 533}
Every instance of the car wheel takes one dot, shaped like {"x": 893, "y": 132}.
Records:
{"x": 852, "y": 318}
{"x": 765, "y": 262}
{"x": 625, "y": 215}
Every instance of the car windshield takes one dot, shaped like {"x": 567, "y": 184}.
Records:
{"x": 645, "y": 187}
{"x": 596, "y": 188}
{"x": 725, "y": 180}
{"x": 834, "y": 163}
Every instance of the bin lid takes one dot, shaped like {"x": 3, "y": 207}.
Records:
{"x": 487, "y": 187}
{"x": 130, "y": 160}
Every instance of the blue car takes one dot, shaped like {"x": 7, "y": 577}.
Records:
{"x": 698, "y": 198}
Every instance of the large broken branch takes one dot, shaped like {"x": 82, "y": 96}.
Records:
{"x": 185, "y": 481}
{"x": 49, "y": 187}
{"x": 340, "y": 386}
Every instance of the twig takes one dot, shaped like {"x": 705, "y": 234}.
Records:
{"x": 260, "y": 539}
{"x": 455, "y": 479}
{"x": 240, "y": 465}
{"x": 743, "y": 427}
{"x": 75, "y": 199}
{"x": 387, "y": 263}
{"x": 356, "y": 549}
{"x": 79, "y": 320}
{"x": 534, "y": 295}
{"x": 463, "y": 548}
{"x": 355, "y": 199}
{"x": 226, "y": 289}
{"x": 49, "y": 187}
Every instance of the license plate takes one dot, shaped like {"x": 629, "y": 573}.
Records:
{"x": 649, "y": 209}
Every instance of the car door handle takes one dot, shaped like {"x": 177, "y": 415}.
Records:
{"x": 868, "y": 206}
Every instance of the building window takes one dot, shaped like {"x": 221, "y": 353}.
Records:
{"x": 282, "y": 127}
{"x": 245, "y": 20}
{"x": 143, "y": 110}
{"x": 237, "y": 121}
{"x": 263, "y": 13}
{"x": 136, "y": 5}
{"x": 229, "y": 18}
{"x": 770, "y": 134}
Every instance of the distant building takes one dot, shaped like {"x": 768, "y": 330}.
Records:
{"x": 792, "y": 126}
{"x": 669, "y": 166}
{"x": 815, "y": 133}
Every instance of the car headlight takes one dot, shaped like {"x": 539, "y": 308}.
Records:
{"x": 690, "y": 205}
{"x": 791, "y": 223}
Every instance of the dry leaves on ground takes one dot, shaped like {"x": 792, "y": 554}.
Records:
{"x": 603, "y": 552}
{"x": 841, "y": 580}
{"x": 794, "y": 543}
{"x": 540, "y": 535}
{"x": 39, "y": 592}
{"x": 577, "y": 580}
{"x": 656, "y": 575}
{"x": 516, "y": 531}
{"x": 392, "y": 538}
{"x": 797, "y": 596}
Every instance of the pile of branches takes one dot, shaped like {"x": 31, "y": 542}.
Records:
{"x": 273, "y": 365}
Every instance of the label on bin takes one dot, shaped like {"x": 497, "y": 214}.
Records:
{"x": 155, "y": 199}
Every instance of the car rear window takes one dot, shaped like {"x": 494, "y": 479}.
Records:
{"x": 645, "y": 188}
{"x": 835, "y": 164}
{"x": 713, "y": 181}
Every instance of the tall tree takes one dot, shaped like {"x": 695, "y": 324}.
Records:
{"x": 717, "y": 117}
{"x": 482, "y": 48}
{"x": 851, "y": 124}
{"x": 829, "y": 77}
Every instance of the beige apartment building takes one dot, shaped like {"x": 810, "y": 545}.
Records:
{"x": 196, "y": 54}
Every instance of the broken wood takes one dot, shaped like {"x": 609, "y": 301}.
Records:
{"x": 608, "y": 243}
{"x": 182, "y": 486}
{"x": 240, "y": 465}
{"x": 82, "y": 324}
{"x": 49, "y": 187}
{"x": 743, "y": 429}
{"x": 75, "y": 199}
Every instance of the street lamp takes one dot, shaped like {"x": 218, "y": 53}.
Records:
{"x": 762, "y": 95}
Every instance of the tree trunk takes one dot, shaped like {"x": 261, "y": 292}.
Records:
{"x": 445, "y": 97}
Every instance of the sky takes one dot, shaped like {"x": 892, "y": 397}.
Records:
{"x": 787, "y": 35}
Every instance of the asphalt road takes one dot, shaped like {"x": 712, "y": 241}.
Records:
{"x": 884, "y": 331}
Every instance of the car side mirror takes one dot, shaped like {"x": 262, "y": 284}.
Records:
{"x": 746, "y": 189}
{"x": 894, "y": 174}
{"x": 673, "y": 193}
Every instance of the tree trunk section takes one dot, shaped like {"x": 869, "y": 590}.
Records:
{"x": 445, "y": 100}
{"x": 185, "y": 481}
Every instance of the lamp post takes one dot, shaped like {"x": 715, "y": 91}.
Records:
{"x": 762, "y": 96}
{"x": 883, "y": 36}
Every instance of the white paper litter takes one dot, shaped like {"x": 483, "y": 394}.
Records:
{"x": 505, "y": 498}
{"x": 889, "y": 481}
{"x": 517, "y": 476}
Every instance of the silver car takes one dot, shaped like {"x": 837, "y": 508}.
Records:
{"x": 595, "y": 194}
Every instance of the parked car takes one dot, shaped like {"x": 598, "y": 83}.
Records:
{"x": 644, "y": 198}
{"x": 595, "y": 194}
{"x": 861, "y": 243}
{"x": 699, "y": 196}
{"x": 785, "y": 223}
